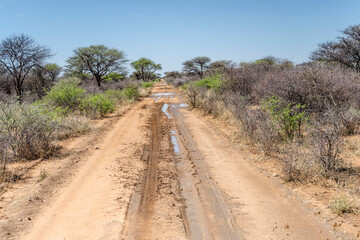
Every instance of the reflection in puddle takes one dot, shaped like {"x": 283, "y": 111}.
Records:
{"x": 163, "y": 94}
{"x": 181, "y": 105}
{"x": 157, "y": 99}
{"x": 175, "y": 143}
{"x": 164, "y": 108}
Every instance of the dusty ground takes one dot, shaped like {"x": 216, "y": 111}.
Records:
{"x": 159, "y": 171}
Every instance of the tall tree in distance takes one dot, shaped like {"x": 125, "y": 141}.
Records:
{"x": 19, "y": 54}
{"x": 145, "y": 69}
{"x": 345, "y": 51}
{"x": 98, "y": 60}
{"x": 197, "y": 65}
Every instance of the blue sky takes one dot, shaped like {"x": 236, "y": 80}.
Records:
{"x": 170, "y": 32}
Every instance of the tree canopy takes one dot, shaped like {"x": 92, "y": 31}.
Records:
{"x": 345, "y": 50}
{"x": 19, "y": 55}
{"x": 145, "y": 68}
{"x": 196, "y": 65}
{"x": 97, "y": 60}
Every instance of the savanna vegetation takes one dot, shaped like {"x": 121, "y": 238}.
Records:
{"x": 304, "y": 116}
{"x": 41, "y": 104}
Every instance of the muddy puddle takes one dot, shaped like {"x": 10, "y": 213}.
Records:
{"x": 174, "y": 141}
{"x": 164, "y": 108}
{"x": 158, "y": 96}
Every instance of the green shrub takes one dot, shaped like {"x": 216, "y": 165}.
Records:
{"x": 117, "y": 96}
{"x": 95, "y": 104}
{"x": 157, "y": 80}
{"x": 213, "y": 82}
{"x": 131, "y": 93}
{"x": 147, "y": 84}
{"x": 66, "y": 94}
{"x": 286, "y": 116}
{"x": 27, "y": 130}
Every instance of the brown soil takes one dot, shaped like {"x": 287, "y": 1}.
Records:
{"x": 159, "y": 171}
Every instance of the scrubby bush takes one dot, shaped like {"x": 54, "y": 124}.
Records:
{"x": 213, "y": 82}
{"x": 72, "y": 126}
{"x": 96, "y": 104}
{"x": 327, "y": 146}
{"x": 256, "y": 125}
{"x": 147, "y": 84}
{"x": 66, "y": 94}
{"x": 317, "y": 87}
{"x": 131, "y": 93}
{"x": 192, "y": 93}
{"x": 288, "y": 118}
{"x": 297, "y": 163}
{"x": 117, "y": 96}
{"x": 341, "y": 205}
{"x": 26, "y": 130}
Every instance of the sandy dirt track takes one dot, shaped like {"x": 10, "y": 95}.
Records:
{"x": 163, "y": 172}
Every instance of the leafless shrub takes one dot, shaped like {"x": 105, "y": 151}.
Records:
{"x": 318, "y": 87}
{"x": 349, "y": 120}
{"x": 193, "y": 94}
{"x": 256, "y": 125}
{"x": 26, "y": 130}
{"x": 208, "y": 101}
{"x": 297, "y": 164}
{"x": 179, "y": 81}
{"x": 72, "y": 126}
{"x": 327, "y": 146}
{"x": 3, "y": 161}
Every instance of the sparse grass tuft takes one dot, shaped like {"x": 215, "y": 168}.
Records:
{"x": 43, "y": 175}
{"x": 341, "y": 205}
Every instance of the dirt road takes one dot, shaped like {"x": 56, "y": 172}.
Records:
{"x": 163, "y": 172}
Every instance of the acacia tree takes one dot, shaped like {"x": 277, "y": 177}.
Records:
{"x": 19, "y": 54}
{"x": 145, "y": 68}
{"x": 345, "y": 51}
{"x": 197, "y": 65}
{"x": 98, "y": 60}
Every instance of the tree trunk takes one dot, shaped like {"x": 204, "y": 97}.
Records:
{"x": 98, "y": 79}
{"x": 18, "y": 90}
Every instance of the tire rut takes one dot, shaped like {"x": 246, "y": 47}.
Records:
{"x": 154, "y": 208}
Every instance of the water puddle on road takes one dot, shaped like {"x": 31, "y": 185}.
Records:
{"x": 174, "y": 142}
{"x": 164, "y": 108}
{"x": 158, "y": 96}
{"x": 179, "y": 105}
{"x": 163, "y": 94}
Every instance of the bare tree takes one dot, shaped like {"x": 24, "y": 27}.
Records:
{"x": 345, "y": 51}
{"x": 19, "y": 54}
{"x": 197, "y": 65}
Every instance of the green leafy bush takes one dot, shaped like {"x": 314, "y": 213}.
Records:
{"x": 131, "y": 93}
{"x": 95, "y": 104}
{"x": 66, "y": 94}
{"x": 115, "y": 95}
{"x": 213, "y": 82}
{"x": 286, "y": 116}
{"x": 147, "y": 84}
